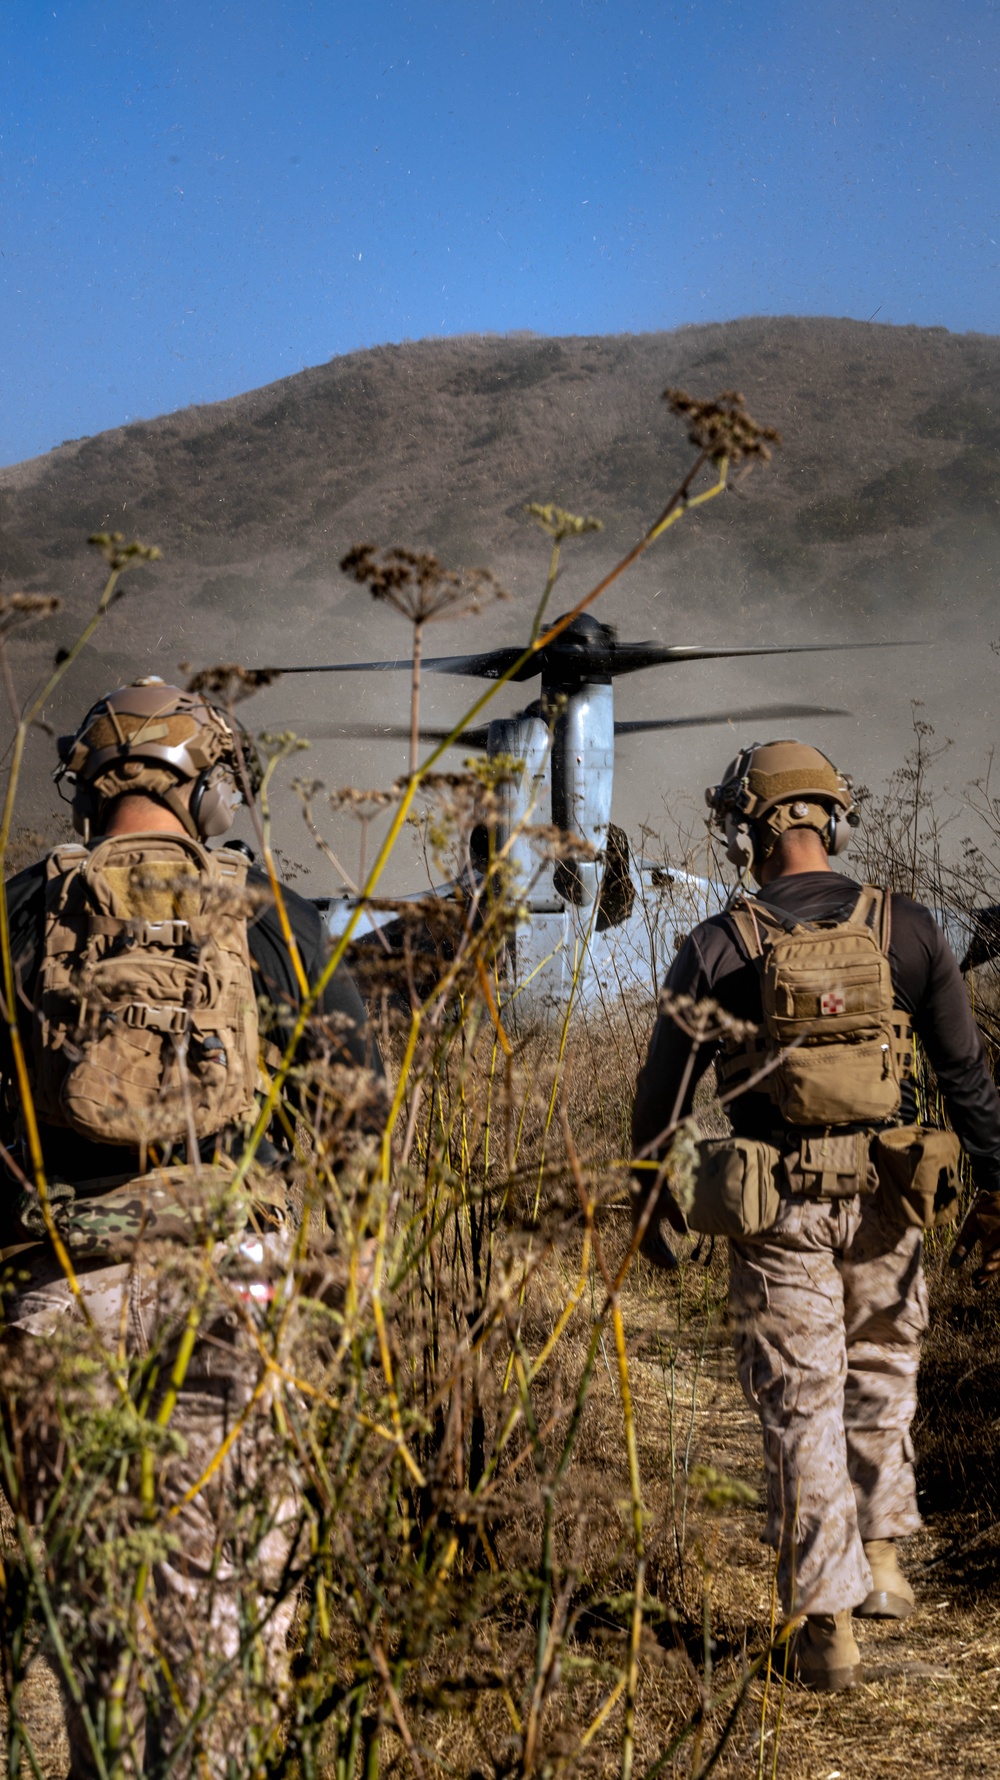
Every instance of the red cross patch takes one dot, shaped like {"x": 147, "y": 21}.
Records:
{"x": 833, "y": 1002}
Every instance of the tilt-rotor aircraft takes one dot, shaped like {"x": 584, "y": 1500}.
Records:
{"x": 604, "y": 924}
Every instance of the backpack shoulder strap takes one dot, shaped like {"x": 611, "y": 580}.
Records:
{"x": 874, "y": 909}
{"x": 747, "y": 931}
{"x": 758, "y": 922}
{"x": 67, "y": 854}
{"x": 62, "y": 861}
{"x": 882, "y": 917}
{"x": 65, "y": 903}
{"x": 755, "y": 922}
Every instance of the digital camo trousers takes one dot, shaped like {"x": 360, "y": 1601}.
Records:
{"x": 829, "y": 1307}
{"x": 210, "y": 1677}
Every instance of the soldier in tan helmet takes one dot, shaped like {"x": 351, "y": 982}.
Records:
{"x": 827, "y": 1181}
{"x": 153, "y": 974}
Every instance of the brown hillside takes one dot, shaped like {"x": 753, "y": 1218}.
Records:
{"x": 881, "y": 516}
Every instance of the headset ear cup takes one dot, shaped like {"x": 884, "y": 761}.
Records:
{"x": 841, "y": 833}
{"x": 739, "y": 844}
{"x": 214, "y": 800}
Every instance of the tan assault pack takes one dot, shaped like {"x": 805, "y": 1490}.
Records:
{"x": 145, "y": 1023}
{"x": 844, "y": 1050}
{"x": 827, "y": 1004}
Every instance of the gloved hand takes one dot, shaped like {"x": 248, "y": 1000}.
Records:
{"x": 652, "y": 1243}
{"x": 981, "y": 1225}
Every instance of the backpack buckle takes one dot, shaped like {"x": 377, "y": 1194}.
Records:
{"x": 160, "y": 933}
{"x": 143, "y": 1018}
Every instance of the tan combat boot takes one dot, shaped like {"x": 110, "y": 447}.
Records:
{"x": 891, "y": 1596}
{"x": 824, "y": 1654}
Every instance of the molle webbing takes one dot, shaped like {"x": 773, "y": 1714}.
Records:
{"x": 752, "y": 1054}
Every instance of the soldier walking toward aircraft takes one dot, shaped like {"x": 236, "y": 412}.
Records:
{"x": 151, "y": 974}
{"x": 827, "y": 1181}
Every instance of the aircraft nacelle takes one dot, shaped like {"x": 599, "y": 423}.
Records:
{"x": 566, "y": 779}
{"x": 526, "y": 799}
{"x": 583, "y": 764}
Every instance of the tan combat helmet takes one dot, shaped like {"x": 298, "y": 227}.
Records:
{"x": 773, "y": 786}
{"x": 150, "y": 738}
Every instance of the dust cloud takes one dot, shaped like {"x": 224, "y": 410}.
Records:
{"x": 878, "y": 522}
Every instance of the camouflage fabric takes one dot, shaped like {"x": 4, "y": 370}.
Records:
{"x": 109, "y": 1218}
{"x": 829, "y": 1307}
{"x": 213, "y": 1671}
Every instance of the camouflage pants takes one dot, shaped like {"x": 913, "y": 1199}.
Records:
{"x": 829, "y": 1307}
{"x": 211, "y": 1671}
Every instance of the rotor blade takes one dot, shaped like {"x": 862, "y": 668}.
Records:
{"x": 628, "y": 658}
{"x": 390, "y": 732}
{"x": 614, "y": 658}
{"x": 750, "y": 714}
{"x": 489, "y": 665}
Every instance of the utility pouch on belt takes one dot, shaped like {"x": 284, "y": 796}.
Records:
{"x": 918, "y": 1174}
{"x": 735, "y": 1187}
{"x": 832, "y": 1165}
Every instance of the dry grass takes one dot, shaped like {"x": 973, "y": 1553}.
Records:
{"x": 930, "y": 1701}
{"x": 527, "y": 1482}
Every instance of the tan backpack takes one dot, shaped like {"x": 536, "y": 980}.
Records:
{"x": 827, "y": 1003}
{"x": 845, "y": 1050}
{"x": 145, "y": 1022}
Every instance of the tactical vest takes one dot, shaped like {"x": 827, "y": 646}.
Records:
{"x": 145, "y": 1023}
{"x": 843, "y": 1049}
{"x": 834, "y": 1052}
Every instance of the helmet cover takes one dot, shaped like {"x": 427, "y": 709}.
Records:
{"x": 777, "y": 786}
{"x": 147, "y": 739}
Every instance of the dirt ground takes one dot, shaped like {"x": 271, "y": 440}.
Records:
{"x": 930, "y": 1703}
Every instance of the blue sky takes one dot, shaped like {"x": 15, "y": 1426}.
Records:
{"x": 199, "y": 196}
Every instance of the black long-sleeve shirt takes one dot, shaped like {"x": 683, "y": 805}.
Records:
{"x": 926, "y": 984}
{"x": 347, "y": 1037}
